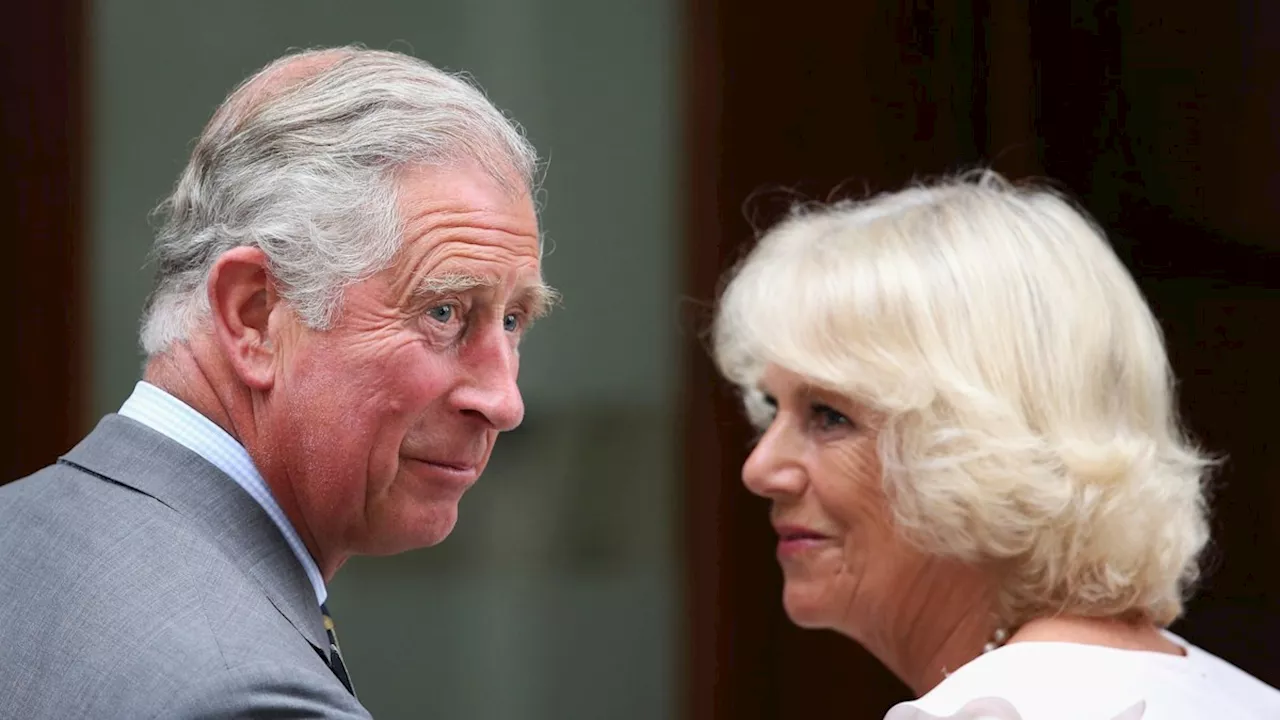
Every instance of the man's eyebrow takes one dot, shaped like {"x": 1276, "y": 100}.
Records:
{"x": 449, "y": 284}
{"x": 537, "y": 299}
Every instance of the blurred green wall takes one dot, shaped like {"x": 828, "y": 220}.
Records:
{"x": 557, "y": 595}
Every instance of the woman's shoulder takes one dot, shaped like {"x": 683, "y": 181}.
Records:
{"x": 1030, "y": 681}
{"x": 1049, "y": 680}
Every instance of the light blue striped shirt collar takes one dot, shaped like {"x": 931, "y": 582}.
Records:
{"x": 181, "y": 423}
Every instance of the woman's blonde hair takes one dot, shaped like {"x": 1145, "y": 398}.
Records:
{"x": 1028, "y": 404}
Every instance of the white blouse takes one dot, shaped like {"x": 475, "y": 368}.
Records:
{"x": 1071, "y": 681}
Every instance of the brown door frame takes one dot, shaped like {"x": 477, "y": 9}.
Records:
{"x": 42, "y": 196}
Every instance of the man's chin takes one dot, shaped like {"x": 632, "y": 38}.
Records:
{"x": 415, "y": 530}
{"x": 437, "y": 532}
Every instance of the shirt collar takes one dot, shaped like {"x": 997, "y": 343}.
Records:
{"x": 183, "y": 424}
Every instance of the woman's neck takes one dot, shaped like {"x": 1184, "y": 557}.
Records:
{"x": 941, "y": 621}
{"x": 943, "y": 617}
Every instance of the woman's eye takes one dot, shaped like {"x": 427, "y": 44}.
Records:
{"x": 829, "y": 417}
{"x": 760, "y": 410}
{"x": 441, "y": 313}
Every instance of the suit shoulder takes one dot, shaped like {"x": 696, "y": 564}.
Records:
{"x": 80, "y": 532}
{"x": 113, "y": 590}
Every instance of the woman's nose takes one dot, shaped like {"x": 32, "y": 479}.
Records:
{"x": 773, "y": 469}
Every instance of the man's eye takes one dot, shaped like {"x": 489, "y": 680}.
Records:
{"x": 511, "y": 322}
{"x": 441, "y": 313}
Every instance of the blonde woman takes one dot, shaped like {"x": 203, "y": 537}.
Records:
{"x": 968, "y": 435}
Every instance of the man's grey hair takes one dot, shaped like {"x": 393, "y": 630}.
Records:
{"x": 301, "y": 161}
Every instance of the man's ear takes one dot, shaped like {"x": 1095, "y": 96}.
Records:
{"x": 242, "y": 295}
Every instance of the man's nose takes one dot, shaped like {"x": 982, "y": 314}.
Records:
{"x": 490, "y": 391}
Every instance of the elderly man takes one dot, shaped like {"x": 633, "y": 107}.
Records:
{"x": 349, "y": 262}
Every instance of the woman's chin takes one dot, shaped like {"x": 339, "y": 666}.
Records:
{"x": 805, "y": 606}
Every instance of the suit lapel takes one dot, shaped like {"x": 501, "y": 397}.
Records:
{"x": 133, "y": 455}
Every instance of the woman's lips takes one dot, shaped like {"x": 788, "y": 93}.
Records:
{"x": 795, "y": 540}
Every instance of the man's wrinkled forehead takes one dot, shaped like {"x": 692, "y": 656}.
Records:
{"x": 463, "y": 232}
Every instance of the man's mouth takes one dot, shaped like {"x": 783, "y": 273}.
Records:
{"x": 459, "y": 466}
{"x": 460, "y": 470}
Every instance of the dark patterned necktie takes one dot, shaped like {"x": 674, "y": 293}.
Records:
{"x": 335, "y": 655}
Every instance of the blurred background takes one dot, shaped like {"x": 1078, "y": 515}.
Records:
{"x": 610, "y": 565}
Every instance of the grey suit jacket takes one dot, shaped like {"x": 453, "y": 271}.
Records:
{"x": 139, "y": 581}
